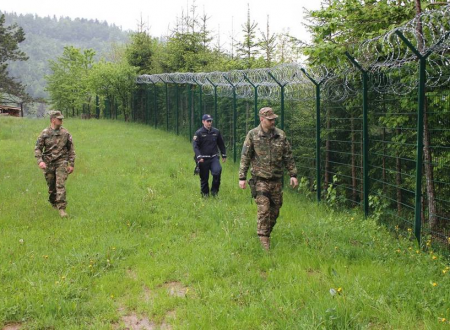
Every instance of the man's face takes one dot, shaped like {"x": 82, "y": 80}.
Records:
{"x": 267, "y": 124}
{"x": 207, "y": 123}
{"x": 56, "y": 122}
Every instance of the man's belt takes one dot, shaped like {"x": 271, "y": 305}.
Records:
{"x": 259, "y": 178}
{"x": 207, "y": 156}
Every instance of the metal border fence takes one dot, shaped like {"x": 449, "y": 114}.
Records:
{"x": 372, "y": 134}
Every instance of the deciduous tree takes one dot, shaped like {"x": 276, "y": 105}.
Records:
{"x": 10, "y": 38}
{"x": 67, "y": 84}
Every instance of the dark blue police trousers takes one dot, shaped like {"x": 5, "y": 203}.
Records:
{"x": 213, "y": 165}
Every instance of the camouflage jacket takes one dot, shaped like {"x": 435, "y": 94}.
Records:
{"x": 268, "y": 153}
{"x": 54, "y": 145}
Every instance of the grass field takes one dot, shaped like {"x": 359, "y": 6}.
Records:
{"x": 142, "y": 248}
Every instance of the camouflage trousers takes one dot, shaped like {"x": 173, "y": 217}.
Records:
{"x": 56, "y": 176}
{"x": 269, "y": 198}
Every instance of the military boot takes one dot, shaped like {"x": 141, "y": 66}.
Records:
{"x": 265, "y": 242}
{"x": 63, "y": 213}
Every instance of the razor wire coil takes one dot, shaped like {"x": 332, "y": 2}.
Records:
{"x": 386, "y": 58}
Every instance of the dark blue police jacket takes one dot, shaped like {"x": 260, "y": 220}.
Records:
{"x": 207, "y": 142}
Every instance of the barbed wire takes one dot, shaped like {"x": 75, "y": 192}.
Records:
{"x": 390, "y": 62}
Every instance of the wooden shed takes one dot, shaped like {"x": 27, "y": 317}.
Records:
{"x": 6, "y": 110}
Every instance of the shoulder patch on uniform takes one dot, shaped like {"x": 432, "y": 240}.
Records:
{"x": 195, "y": 137}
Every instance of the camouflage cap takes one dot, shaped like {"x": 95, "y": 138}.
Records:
{"x": 267, "y": 113}
{"x": 56, "y": 114}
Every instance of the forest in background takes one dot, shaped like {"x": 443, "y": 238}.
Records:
{"x": 45, "y": 39}
{"x": 191, "y": 46}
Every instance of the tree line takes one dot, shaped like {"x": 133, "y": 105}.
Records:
{"x": 45, "y": 39}
{"x": 78, "y": 81}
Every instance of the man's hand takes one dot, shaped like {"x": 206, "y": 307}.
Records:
{"x": 69, "y": 169}
{"x": 242, "y": 184}
{"x": 294, "y": 182}
{"x": 42, "y": 165}
{"x": 201, "y": 160}
{"x": 224, "y": 160}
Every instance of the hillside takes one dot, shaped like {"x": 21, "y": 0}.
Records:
{"x": 46, "y": 38}
{"x": 142, "y": 247}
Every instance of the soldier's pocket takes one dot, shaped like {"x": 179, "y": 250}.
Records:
{"x": 276, "y": 200}
{"x": 47, "y": 169}
{"x": 252, "y": 185}
{"x": 258, "y": 146}
{"x": 278, "y": 195}
{"x": 277, "y": 151}
{"x": 62, "y": 170}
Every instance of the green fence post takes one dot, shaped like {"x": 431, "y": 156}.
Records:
{"x": 133, "y": 106}
{"x": 190, "y": 109}
{"x": 200, "y": 98}
{"x": 234, "y": 118}
{"x": 177, "y": 109}
{"x": 139, "y": 112}
{"x": 200, "y": 103}
{"x": 155, "y": 104}
{"x": 215, "y": 106}
{"x": 137, "y": 105}
{"x": 177, "y": 104}
{"x": 147, "y": 104}
{"x": 167, "y": 105}
{"x": 420, "y": 110}
{"x": 282, "y": 98}
{"x": 365, "y": 78}
{"x": 318, "y": 141}
{"x": 97, "y": 107}
{"x": 107, "y": 109}
{"x": 216, "y": 124}
{"x": 255, "y": 87}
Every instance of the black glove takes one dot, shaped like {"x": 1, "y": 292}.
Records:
{"x": 196, "y": 170}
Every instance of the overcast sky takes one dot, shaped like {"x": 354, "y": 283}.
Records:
{"x": 161, "y": 15}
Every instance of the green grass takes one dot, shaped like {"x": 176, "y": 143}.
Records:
{"x": 141, "y": 241}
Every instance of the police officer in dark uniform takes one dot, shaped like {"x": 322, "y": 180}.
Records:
{"x": 207, "y": 140}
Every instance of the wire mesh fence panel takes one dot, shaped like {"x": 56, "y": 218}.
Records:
{"x": 184, "y": 120}
{"x": 342, "y": 134}
{"x": 225, "y": 120}
{"x": 436, "y": 191}
{"x": 374, "y": 132}
{"x": 301, "y": 132}
{"x": 392, "y": 125}
{"x": 342, "y": 161}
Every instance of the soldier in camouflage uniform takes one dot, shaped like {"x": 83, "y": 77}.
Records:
{"x": 55, "y": 155}
{"x": 269, "y": 152}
